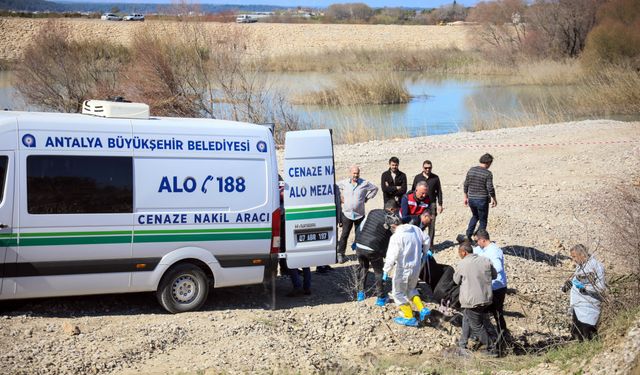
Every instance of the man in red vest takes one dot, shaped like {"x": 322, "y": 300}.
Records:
{"x": 414, "y": 204}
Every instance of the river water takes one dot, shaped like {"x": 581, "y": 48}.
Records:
{"x": 439, "y": 105}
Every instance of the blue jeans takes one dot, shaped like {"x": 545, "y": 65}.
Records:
{"x": 294, "y": 273}
{"x": 480, "y": 211}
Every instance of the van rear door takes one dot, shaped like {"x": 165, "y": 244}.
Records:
{"x": 309, "y": 199}
{"x": 7, "y": 236}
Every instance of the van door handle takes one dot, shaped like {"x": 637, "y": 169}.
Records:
{"x": 2, "y": 226}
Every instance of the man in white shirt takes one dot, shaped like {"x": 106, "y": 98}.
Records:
{"x": 490, "y": 250}
{"x": 354, "y": 192}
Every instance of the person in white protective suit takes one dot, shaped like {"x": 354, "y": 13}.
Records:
{"x": 587, "y": 287}
{"x": 408, "y": 248}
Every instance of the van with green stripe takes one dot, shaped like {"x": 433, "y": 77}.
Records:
{"x": 115, "y": 201}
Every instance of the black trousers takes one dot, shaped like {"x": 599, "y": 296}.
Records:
{"x": 433, "y": 208}
{"x": 347, "y": 224}
{"x": 582, "y": 331}
{"x": 366, "y": 258}
{"x": 497, "y": 308}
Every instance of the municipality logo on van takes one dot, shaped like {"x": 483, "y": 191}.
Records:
{"x": 262, "y": 146}
{"x": 28, "y": 140}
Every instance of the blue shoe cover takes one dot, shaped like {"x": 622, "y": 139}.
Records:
{"x": 381, "y": 301}
{"x": 360, "y": 296}
{"x": 413, "y": 322}
{"x": 424, "y": 313}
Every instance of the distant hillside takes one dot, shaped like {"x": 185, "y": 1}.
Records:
{"x": 51, "y": 6}
{"x": 33, "y": 5}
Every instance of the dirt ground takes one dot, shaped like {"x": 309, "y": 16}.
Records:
{"x": 273, "y": 39}
{"x": 548, "y": 179}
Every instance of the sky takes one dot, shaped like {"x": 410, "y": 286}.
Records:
{"x": 310, "y": 3}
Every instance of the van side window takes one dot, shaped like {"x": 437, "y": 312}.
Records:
{"x": 4, "y": 160}
{"x": 79, "y": 184}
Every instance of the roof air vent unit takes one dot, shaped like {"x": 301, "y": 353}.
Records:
{"x": 110, "y": 109}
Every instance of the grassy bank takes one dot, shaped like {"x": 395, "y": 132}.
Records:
{"x": 564, "y": 356}
{"x": 352, "y": 89}
{"x": 441, "y": 61}
{"x": 586, "y": 94}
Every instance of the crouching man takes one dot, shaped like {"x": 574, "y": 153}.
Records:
{"x": 408, "y": 247}
{"x": 587, "y": 287}
{"x": 474, "y": 275}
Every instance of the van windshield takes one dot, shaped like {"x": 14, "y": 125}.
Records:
{"x": 4, "y": 160}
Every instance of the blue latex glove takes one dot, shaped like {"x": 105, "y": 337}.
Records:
{"x": 577, "y": 284}
{"x": 425, "y": 257}
{"x": 385, "y": 276}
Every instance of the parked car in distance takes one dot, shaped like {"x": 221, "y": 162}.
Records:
{"x": 134, "y": 17}
{"x": 246, "y": 18}
{"x": 110, "y": 17}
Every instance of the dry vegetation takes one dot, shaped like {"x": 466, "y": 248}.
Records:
{"x": 372, "y": 88}
{"x": 192, "y": 68}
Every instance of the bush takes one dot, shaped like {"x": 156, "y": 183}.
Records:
{"x": 563, "y": 25}
{"x": 57, "y": 73}
{"x": 381, "y": 88}
{"x": 352, "y": 12}
{"x": 616, "y": 38}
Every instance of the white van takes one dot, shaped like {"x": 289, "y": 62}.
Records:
{"x": 246, "y": 18}
{"x": 129, "y": 203}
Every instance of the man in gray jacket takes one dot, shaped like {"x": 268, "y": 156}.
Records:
{"x": 474, "y": 275}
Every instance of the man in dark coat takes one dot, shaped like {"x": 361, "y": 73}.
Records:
{"x": 393, "y": 182}
{"x": 371, "y": 246}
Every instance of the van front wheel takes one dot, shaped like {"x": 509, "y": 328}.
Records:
{"x": 183, "y": 288}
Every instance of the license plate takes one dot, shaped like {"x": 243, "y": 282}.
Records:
{"x": 313, "y": 236}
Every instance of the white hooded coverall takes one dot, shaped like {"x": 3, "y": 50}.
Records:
{"x": 406, "y": 248}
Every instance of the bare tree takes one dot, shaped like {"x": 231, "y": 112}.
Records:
{"x": 165, "y": 74}
{"x": 355, "y": 12}
{"x": 449, "y": 13}
{"x": 502, "y": 24}
{"x": 564, "y": 24}
{"x": 58, "y": 73}
{"x": 206, "y": 72}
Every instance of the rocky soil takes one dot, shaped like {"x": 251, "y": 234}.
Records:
{"x": 548, "y": 178}
{"x": 272, "y": 39}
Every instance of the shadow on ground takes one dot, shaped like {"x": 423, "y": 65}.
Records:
{"x": 534, "y": 254}
{"x": 333, "y": 287}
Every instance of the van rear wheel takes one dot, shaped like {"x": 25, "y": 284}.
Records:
{"x": 183, "y": 288}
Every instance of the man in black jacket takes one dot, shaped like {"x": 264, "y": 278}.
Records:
{"x": 393, "y": 182}
{"x": 371, "y": 246}
{"x": 435, "y": 194}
